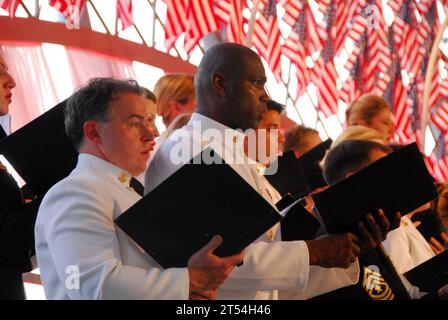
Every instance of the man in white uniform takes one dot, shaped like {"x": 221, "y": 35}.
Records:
{"x": 230, "y": 95}
{"x": 80, "y": 252}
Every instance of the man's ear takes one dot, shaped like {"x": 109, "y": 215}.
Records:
{"x": 91, "y": 129}
{"x": 218, "y": 84}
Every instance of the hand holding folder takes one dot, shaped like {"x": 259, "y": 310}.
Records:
{"x": 198, "y": 201}
{"x": 329, "y": 251}
{"x": 207, "y": 271}
{"x": 399, "y": 182}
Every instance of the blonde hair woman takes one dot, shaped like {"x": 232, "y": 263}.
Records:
{"x": 175, "y": 95}
{"x": 360, "y": 133}
{"x": 371, "y": 111}
{"x": 357, "y": 133}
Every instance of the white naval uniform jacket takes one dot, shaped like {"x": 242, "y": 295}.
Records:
{"x": 406, "y": 246}
{"x": 75, "y": 233}
{"x": 269, "y": 264}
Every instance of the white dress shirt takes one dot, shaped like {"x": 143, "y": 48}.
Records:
{"x": 75, "y": 234}
{"x": 269, "y": 264}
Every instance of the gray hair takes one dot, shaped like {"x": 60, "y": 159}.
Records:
{"x": 92, "y": 102}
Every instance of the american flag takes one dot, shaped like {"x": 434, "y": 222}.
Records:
{"x": 340, "y": 24}
{"x": 71, "y": 9}
{"x": 393, "y": 71}
{"x": 356, "y": 63}
{"x": 10, "y": 6}
{"x": 297, "y": 54}
{"x": 176, "y": 21}
{"x": 424, "y": 6}
{"x": 402, "y": 110}
{"x": 266, "y": 36}
{"x": 434, "y": 89}
{"x": 299, "y": 16}
{"x": 124, "y": 13}
{"x": 378, "y": 50}
{"x": 431, "y": 16}
{"x": 410, "y": 36}
{"x": 344, "y": 13}
{"x": 357, "y": 28}
{"x": 355, "y": 7}
{"x": 323, "y": 5}
{"x": 396, "y": 94}
{"x": 396, "y": 5}
{"x": 440, "y": 117}
{"x": 376, "y": 56}
{"x": 305, "y": 39}
{"x": 440, "y": 159}
{"x": 439, "y": 111}
{"x": 353, "y": 87}
{"x": 201, "y": 20}
{"x": 443, "y": 90}
{"x": 230, "y": 13}
{"x": 414, "y": 103}
{"x": 327, "y": 91}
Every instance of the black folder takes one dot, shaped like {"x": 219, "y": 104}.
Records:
{"x": 285, "y": 202}
{"x": 289, "y": 177}
{"x": 398, "y": 182}
{"x": 2, "y": 133}
{"x": 198, "y": 201}
{"x": 310, "y": 163}
{"x": 298, "y": 224}
{"x": 431, "y": 274}
{"x": 430, "y": 225}
{"x": 41, "y": 152}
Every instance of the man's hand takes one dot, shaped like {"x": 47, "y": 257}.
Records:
{"x": 207, "y": 271}
{"x": 379, "y": 228}
{"x": 436, "y": 246}
{"x": 333, "y": 251}
{"x": 203, "y": 295}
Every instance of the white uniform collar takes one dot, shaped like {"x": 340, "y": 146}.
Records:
{"x": 227, "y": 137}
{"x": 208, "y": 123}
{"x": 103, "y": 167}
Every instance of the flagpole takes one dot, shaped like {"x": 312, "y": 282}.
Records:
{"x": 429, "y": 73}
{"x": 253, "y": 14}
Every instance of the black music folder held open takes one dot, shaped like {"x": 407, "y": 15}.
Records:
{"x": 298, "y": 224}
{"x": 398, "y": 182}
{"x": 289, "y": 177}
{"x": 310, "y": 163}
{"x": 198, "y": 201}
{"x": 431, "y": 275}
{"x": 41, "y": 152}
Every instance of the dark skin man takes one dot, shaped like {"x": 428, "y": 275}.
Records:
{"x": 230, "y": 89}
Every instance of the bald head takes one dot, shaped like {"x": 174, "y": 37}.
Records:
{"x": 225, "y": 58}
{"x": 229, "y": 86}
